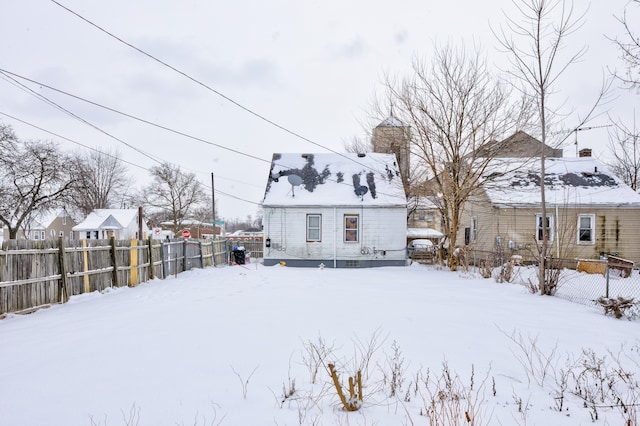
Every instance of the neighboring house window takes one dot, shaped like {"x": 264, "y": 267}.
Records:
{"x": 548, "y": 225}
{"x": 88, "y": 235}
{"x": 64, "y": 219}
{"x": 430, "y": 217}
{"x": 474, "y": 228}
{"x": 586, "y": 229}
{"x": 314, "y": 227}
{"x": 42, "y": 235}
{"x": 421, "y": 215}
{"x": 351, "y": 222}
{"x": 36, "y": 235}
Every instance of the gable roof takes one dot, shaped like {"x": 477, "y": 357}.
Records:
{"x": 370, "y": 179}
{"x": 568, "y": 182}
{"x": 520, "y": 145}
{"x": 107, "y": 219}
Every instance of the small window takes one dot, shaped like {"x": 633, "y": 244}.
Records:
{"x": 586, "y": 231}
{"x": 314, "y": 227}
{"x": 548, "y": 225}
{"x": 421, "y": 215}
{"x": 42, "y": 235}
{"x": 88, "y": 235}
{"x": 36, "y": 235}
{"x": 430, "y": 217}
{"x": 474, "y": 228}
{"x": 351, "y": 222}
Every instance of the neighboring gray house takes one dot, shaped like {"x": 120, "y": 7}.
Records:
{"x": 102, "y": 224}
{"x": 336, "y": 210}
{"x": 47, "y": 226}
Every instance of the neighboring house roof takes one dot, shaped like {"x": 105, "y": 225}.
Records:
{"x": 423, "y": 203}
{"x": 520, "y": 145}
{"x": 370, "y": 179}
{"x": 107, "y": 219}
{"x": 568, "y": 182}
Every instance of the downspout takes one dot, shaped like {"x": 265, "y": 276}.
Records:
{"x": 557, "y": 222}
{"x": 335, "y": 237}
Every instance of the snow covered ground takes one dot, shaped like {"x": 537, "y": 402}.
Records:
{"x": 240, "y": 345}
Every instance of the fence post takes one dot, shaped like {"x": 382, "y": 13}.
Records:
{"x": 607, "y": 288}
{"x": 201, "y": 256}
{"x": 163, "y": 259}
{"x": 150, "y": 258}
{"x": 133, "y": 262}
{"x": 63, "y": 271}
{"x": 114, "y": 262}
{"x": 184, "y": 255}
{"x": 85, "y": 262}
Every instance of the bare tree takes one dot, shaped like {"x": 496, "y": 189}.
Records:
{"x": 357, "y": 145}
{"x": 624, "y": 144}
{"x": 34, "y": 178}
{"x": 533, "y": 41}
{"x": 174, "y": 194}
{"x": 455, "y": 106}
{"x": 629, "y": 48}
{"x": 101, "y": 181}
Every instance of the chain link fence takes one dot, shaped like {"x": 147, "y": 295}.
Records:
{"x": 585, "y": 281}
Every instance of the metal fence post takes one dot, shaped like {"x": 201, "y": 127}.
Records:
{"x": 607, "y": 287}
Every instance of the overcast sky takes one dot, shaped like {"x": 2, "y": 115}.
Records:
{"x": 310, "y": 68}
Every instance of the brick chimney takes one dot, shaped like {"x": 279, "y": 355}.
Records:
{"x": 585, "y": 152}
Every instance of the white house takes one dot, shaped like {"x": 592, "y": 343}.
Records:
{"x": 336, "y": 210}
{"x": 122, "y": 224}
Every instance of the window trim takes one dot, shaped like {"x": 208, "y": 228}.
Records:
{"x": 348, "y": 229}
{"x": 310, "y": 228}
{"x": 539, "y": 228}
{"x": 592, "y": 228}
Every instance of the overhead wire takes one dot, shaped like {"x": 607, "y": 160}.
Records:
{"x": 10, "y": 74}
{"x": 77, "y": 117}
{"x": 202, "y": 84}
{"x": 217, "y": 191}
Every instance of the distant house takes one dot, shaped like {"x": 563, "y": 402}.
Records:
{"x": 47, "y": 226}
{"x": 590, "y": 212}
{"x": 122, "y": 224}
{"x": 336, "y": 210}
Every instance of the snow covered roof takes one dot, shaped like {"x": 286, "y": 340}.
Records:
{"x": 568, "y": 182}
{"x": 107, "y": 219}
{"x": 330, "y": 179}
{"x": 391, "y": 121}
{"x": 423, "y": 233}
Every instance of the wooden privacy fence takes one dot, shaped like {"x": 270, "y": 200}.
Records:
{"x": 38, "y": 273}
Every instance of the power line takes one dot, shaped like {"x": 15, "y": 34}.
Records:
{"x": 71, "y": 140}
{"x": 77, "y": 117}
{"x": 125, "y": 161}
{"x": 7, "y": 73}
{"x": 202, "y": 84}
{"x": 133, "y": 117}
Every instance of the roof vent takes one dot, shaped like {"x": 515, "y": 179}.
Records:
{"x": 362, "y": 154}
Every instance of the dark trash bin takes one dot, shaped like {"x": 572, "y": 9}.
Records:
{"x": 239, "y": 255}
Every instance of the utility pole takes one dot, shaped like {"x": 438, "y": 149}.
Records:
{"x": 213, "y": 206}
